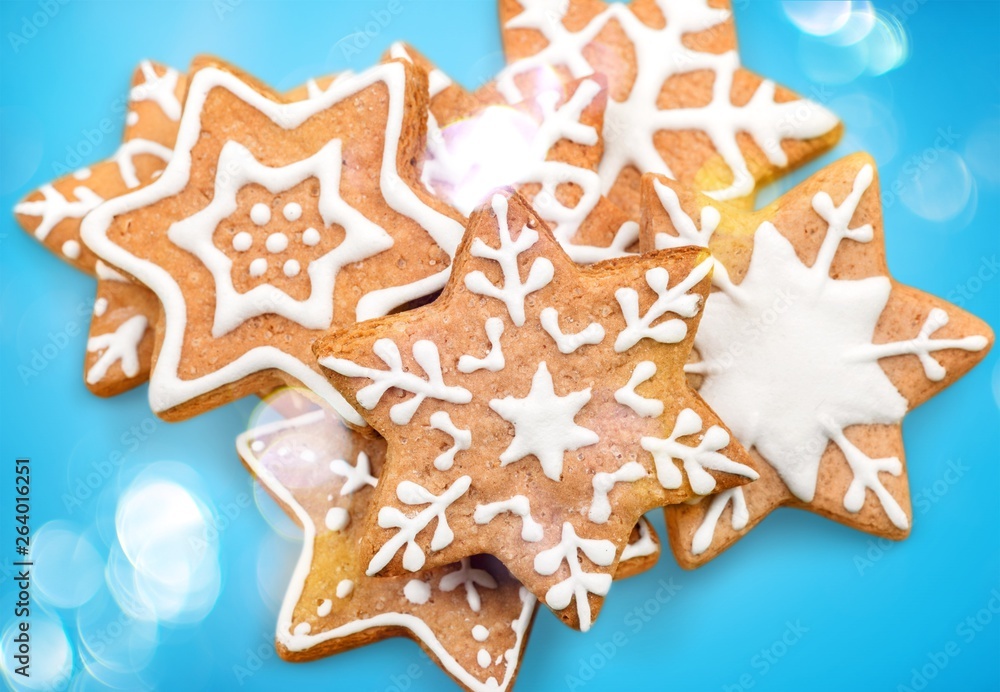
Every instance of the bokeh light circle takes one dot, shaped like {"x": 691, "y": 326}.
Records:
{"x": 68, "y": 568}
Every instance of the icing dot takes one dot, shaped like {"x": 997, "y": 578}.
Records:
{"x": 480, "y": 633}
{"x": 100, "y": 306}
{"x": 257, "y": 445}
{"x": 276, "y": 242}
{"x": 345, "y": 588}
{"x": 292, "y": 211}
{"x": 324, "y": 608}
{"x": 302, "y": 628}
{"x": 260, "y": 213}
{"x": 258, "y": 267}
{"x": 483, "y": 658}
{"x": 308, "y": 455}
{"x": 71, "y": 249}
{"x": 132, "y": 118}
{"x": 337, "y": 518}
{"x": 82, "y": 174}
{"x": 291, "y": 268}
{"x": 242, "y": 241}
{"x": 417, "y": 592}
{"x": 310, "y": 237}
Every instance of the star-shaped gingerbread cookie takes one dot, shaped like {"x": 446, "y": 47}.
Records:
{"x": 120, "y": 346}
{"x": 472, "y": 617}
{"x": 535, "y": 410}
{"x": 680, "y": 104}
{"x": 274, "y": 221}
{"x": 810, "y": 352}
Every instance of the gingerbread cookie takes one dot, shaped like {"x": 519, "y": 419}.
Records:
{"x": 535, "y": 410}
{"x": 120, "y": 346}
{"x": 273, "y": 222}
{"x": 810, "y": 351}
{"x": 679, "y": 102}
{"x": 472, "y": 617}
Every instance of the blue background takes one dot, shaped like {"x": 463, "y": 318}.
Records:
{"x": 871, "y": 613}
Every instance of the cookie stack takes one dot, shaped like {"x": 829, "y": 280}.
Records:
{"x": 504, "y": 325}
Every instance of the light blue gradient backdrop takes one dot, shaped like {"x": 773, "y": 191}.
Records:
{"x": 865, "y": 630}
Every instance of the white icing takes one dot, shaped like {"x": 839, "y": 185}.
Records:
{"x": 355, "y": 477}
{"x": 302, "y": 629}
{"x": 324, "y": 608}
{"x": 345, "y": 587}
{"x": 631, "y": 125}
{"x": 100, "y": 307}
{"x": 132, "y": 118}
{"x": 543, "y": 424}
{"x": 494, "y": 361}
{"x": 468, "y": 576}
{"x": 417, "y": 591}
{"x": 106, "y": 273}
{"x": 440, "y": 420}
{"x": 706, "y": 530}
{"x": 627, "y": 396}
{"x": 674, "y": 300}
{"x": 704, "y": 455}
{"x": 420, "y": 629}
{"x": 167, "y": 389}
{"x": 242, "y": 241}
{"x": 54, "y": 208}
{"x": 604, "y": 482}
{"x": 71, "y": 249}
{"x": 514, "y": 290}
{"x": 291, "y": 268}
{"x": 292, "y": 211}
{"x": 426, "y": 355}
{"x": 409, "y": 493}
{"x": 237, "y": 168}
{"x": 310, "y": 237}
{"x": 121, "y": 345}
{"x": 337, "y": 518}
{"x": 593, "y": 333}
{"x": 579, "y": 583}
{"x": 483, "y": 658}
{"x": 82, "y": 173}
{"x": 518, "y": 149}
{"x": 519, "y": 506}
{"x": 437, "y": 80}
{"x": 642, "y": 546}
{"x": 160, "y": 89}
{"x": 127, "y": 152}
{"x": 258, "y": 267}
{"x": 480, "y": 633}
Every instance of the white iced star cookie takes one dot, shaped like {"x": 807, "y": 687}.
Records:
{"x": 535, "y": 410}
{"x": 276, "y": 220}
{"x": 810, "y": 351}
{"x": 471, "y": 617}
{"x": 679, "y": 102}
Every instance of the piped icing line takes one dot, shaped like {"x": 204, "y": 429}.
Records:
{"x": 705, "y": 533}
{"x": 53, "y": 207}
{"x": 513, "y": 291}
{"x": 631, "y": 125}
{"x": 106, "y": 273}
{"x": 299, "y": 641}
{"x": 696, "y": 459}
{"x": 579, "y": 583}
{"x": 160, "y": 89}
{"x": 124, "y": 157}
{"x": 494, "y": 360}
{"x": 604, "y": 483}
{"x": 519, "y": 506}
{"x": 462, "y": 439}
{"x": 121, "y": 345}
{"x": 426, "y": 355}
{"x": 593, "y": 333}
{"x": 409, "y": 493}
{"x": 167, "y": 389}
{"x": 627, "y": 396}
{"x": 355, "y": 477}
{"x": 642, "y": 546}
{"x": 674, "y": 300}
{"x": 468, "y": 576}
{"x": 688, "y": 232}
